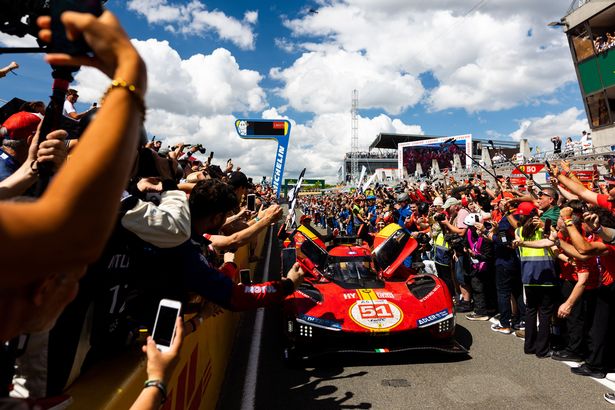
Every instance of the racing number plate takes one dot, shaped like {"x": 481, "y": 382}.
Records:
{"x": 376, "y": 315}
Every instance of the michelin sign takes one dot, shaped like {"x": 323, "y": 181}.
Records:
{"x": 278, "y": 130}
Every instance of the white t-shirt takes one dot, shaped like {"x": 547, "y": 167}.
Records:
{"x": 68, "y": 108}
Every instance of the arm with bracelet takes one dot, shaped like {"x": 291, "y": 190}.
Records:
{"x": 160, "y": 366}
{"x": 84, "y": 195}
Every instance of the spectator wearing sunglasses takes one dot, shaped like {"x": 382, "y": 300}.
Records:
{"x": 547, "y": 203}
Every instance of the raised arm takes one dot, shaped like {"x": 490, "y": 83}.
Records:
{"x": 68, "y": 227}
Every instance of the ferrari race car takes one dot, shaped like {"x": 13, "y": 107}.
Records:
{"x": 357, "y": 300}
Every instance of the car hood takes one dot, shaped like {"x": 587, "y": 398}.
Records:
{"x": 396, "y": 307}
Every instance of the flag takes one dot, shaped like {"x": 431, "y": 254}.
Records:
{"x": 368, "y": 182}
{"x": 293, "y": 194}
{"x": 363, "y": 169}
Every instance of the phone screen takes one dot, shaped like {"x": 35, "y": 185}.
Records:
{"x": 165, "y": 325}
{"x": 244, "y": 276}
{"x": 251, "y": 202}
{"x": 289, "y": 257}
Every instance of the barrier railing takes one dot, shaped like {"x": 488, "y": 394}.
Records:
{"x": 197, "y": 379}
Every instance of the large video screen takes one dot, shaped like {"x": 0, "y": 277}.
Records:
{"x": 425, "y": 151}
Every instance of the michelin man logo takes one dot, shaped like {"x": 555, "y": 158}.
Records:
{"x": 242, "y": 128}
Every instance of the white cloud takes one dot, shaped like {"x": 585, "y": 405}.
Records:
{"x": 538, "y": 131}
{"x": 204, "y": 85}
{"x": 482, "y": 60}
{"x": 193, "y": 18}
{"x": 322, "y": 82}
{"x": 14, "y": 41}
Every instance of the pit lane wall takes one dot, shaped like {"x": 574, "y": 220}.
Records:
{"x": 197, "y": 379}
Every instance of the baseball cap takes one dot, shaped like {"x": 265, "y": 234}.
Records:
{"x": 525, "y": 208}
{"x": 238, "y": 179}
{"x": 21, "y": 125}
{"x": 371, "y": 197}
{"x": 471, "y": 219}
{"x": 438, "y": 201}
{"x": 402, "y": 197}
{"x": 450, "y": 202}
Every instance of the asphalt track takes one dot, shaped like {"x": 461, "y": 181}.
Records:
{"x": 495, "y": 375}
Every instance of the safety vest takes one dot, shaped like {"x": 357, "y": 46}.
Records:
{"x": 442, "y": 251}
{"x": 538, "y": 265}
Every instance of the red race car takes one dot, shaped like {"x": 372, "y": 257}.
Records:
{"x": 354, "y": 299}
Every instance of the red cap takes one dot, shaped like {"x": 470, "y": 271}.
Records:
{"x": 525, "y": 208}
{"x": 304, "y": 218}
{"x": 21, "y": 125}
{"x": 464, "y": 201}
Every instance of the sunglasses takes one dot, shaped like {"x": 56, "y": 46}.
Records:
{"x": 544, "y": 194}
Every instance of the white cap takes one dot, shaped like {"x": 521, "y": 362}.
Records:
{"x": 438, "y": 201}
{"x": 471, "y": 219}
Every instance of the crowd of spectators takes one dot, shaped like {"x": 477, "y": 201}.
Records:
{"x": 539, "y": 263}
{"x": 604, "y": 42}
{"x": 123, "y": 224}
{"x": 425, "y": 155}
{"x": 374, "y": 154}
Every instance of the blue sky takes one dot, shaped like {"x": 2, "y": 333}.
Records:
{"x": 489, "y": 68}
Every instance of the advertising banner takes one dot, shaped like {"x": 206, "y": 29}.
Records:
{"x": 278, "y": 130}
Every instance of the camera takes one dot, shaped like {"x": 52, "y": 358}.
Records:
{"x": 19, "y": 19}
{"x": 200, "y": 148}
{"x": 455, "y": 241}
{"x": 439, "y": 217}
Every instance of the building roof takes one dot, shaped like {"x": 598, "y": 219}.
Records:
{"x": 391, "y": 141}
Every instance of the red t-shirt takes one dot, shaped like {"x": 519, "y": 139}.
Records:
{"x": 571, "y": 271}
{"x": 603, "y": 201}
{"x": 607, "y": 261}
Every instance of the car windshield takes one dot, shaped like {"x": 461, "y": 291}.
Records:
{"x": 353, "y": 272}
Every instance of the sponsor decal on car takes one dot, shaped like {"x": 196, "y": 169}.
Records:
{"x": 352, "y": 295}
{"x": 385, "y": 295}
{"x": 319, "y": 322}
{"x": 435, "y": 317}
{"x": 376, "y": 315}
{"x": 260, "y": 289}
{"x": 430, "y": 294}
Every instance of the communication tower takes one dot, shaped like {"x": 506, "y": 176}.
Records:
{"x": 354, "y": 136}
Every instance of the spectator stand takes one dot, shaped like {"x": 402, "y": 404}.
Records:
{"x": 198, "y": 377}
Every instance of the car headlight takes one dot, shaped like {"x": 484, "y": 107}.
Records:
{"x": 305, "y": 331}
{"x": 446, "y": 325}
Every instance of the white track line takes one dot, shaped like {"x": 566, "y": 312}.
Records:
{"x": 248, "y": 400}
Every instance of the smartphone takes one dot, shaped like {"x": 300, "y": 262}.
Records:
{"x": 488, "y": 226}
{"x": 547, "y": 231}
{"x": 251, "y": 202}
{"x": 289, "y": 257}
{"x": 164, "y": 327}
{"x": 244, "y": 277}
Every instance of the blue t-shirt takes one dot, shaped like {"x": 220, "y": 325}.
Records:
{"x": 8, "y": 165}
{"x": 403, "y": 214}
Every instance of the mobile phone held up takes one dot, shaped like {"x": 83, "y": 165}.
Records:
{"x": 244, "y": 277}
{"x": 251, "y": 202}
{"x": 164, "y": 327}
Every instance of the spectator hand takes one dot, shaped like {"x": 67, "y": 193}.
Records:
{"x": 53, "y": 149}
{"x": 109, "y": 42}
{"x": 563, "y": 311}
{"x": 150, "y": 184}
{"x": 592, "y": 220}
{"x": 274, "y": 212}
{"x": 229, "y": 257}
{"x": 565, "y": 213}
{"x": 160, "y": 365}
{"x": 296, "y": 274}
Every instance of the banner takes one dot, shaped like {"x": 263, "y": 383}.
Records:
{"x": 368, "y": 182}
{"x": 278, "y": 130}
{"x": 530, "y": 169}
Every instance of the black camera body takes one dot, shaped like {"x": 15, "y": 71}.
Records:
{"x": 439, "y": 217}
{"x": 18, "y": 18}
{"x": 455, "y": 242}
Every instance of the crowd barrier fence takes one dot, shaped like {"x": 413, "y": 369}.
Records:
{"x": 198, "y": 377}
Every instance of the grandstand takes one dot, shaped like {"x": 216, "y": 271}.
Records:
{"x": 590, "y": 27}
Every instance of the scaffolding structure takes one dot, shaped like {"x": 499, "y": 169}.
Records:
{"x": 354, "y": 137}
